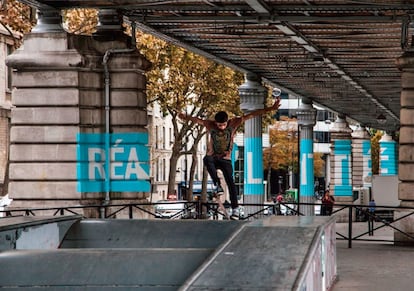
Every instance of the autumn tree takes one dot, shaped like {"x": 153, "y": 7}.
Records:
{"x": 282, "y": 153}
{"x": 283, "y": 146}
{"x": 318, "y": 164}
{"x": 183, "y": 81}
{"x": 376, "y": 135}
{"x": 17, "y": 17}
{"x": 80, "y": 20}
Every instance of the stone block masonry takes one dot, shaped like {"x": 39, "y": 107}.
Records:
{"x": 59, "y": 93}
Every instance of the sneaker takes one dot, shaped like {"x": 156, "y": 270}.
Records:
{"x": 235, "y": 214}
{"x": 219, "y": 190}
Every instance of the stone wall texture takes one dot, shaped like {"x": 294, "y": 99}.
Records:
{"x": 60, "y": 92}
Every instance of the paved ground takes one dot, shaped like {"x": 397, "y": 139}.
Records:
{"x": 376, "y": 266}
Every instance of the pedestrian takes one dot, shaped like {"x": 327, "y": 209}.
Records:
{"x": 371, "y": 217}
{"x": 327, "y": 203}
{"x": 279, "y": 200}
{"x": 222, "y": 131}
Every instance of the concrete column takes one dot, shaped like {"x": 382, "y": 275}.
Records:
{"x": 306, "y": 119}
{"x": 388, "y": 156}
{"x": 252, "y": 96}
{"x": 341, "y": 161}
{"x": 361, "y": 158}
{"x": 406, "y": 148}
{"x": 59, "y": 94}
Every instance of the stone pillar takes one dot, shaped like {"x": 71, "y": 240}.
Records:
{"x": 388, "y": 156}
{"x": 361, "y": 158}
{"x": 252, "y": 96}
{"x": 341, "y": 161}
{"x": 361, "y": 163}
{"x": 406, "y": 149}
{"x": 306, "y": 119}
{"x": 59, "y": 94}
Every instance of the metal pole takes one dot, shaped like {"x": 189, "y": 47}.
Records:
{"x": 350, "y": 228}
{"x": 298, "y": 179}
{"x": 107, "y": 81}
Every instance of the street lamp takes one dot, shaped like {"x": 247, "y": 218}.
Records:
{"x": 381, "y": 119}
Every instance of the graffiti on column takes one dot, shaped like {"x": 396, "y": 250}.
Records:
{"x": 253, "y": 165}
{"x": 342, "y": 160}
{"x": 128, "y": 169}
{"x": 306, "y": 167}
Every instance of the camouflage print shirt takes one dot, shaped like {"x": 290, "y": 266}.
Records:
{"x": 221, "y": 141}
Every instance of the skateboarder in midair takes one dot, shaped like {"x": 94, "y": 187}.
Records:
{"x": 222, "y": 131}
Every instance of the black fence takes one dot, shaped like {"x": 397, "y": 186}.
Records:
{"x": 357, "y": 222}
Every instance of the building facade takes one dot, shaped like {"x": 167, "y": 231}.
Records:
{"x": 9, "y": 41}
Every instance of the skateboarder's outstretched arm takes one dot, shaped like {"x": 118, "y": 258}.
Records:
{"x": 258, "y": 112}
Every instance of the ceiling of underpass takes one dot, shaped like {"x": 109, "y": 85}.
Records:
{"x": 340, "y": 54}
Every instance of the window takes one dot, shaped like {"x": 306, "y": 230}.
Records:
{"x": 163, "y": 137}
{"x": 322, "y": 136}
{"x": 157, "y": 170}
{"x": 156, "y": 137}
{"x": 322, "y": 115}
{"x": 239, "y": 171}
{"x": 164, "y": 170}
{"x": 9, "y": 70}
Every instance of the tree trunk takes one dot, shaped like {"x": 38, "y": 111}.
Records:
{"x": 192, "y": 172}
{"x": 173, "y": 170}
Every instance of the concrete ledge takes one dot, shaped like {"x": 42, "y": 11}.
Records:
{"x": 7, "y": 223}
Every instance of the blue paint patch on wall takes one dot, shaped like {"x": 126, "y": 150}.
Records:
{"x": 128, "y": 170}
{"x": 342, "y": 157}
{"x": 253, "y": 166}
{"x": 234, "y": 154}
{"x": 306, "y": 168}
{"x": 388, "y": 158}
{"x": 342, "y": 190}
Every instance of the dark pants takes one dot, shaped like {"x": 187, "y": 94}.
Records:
{"x": 371, "y": 219}
{"x": 213, "y": 164}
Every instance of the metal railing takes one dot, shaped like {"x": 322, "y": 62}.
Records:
{"x": 360, "y": 223}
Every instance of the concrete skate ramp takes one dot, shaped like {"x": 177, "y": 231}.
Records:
{"x": 269, "y": 254}
{"x": 277, "y": 253}
{"x": 149, "y": 233}
{"x": 99, "y": 269}
{"x": 118, "y": 255}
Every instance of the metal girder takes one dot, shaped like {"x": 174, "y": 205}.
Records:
{"x": 340, "y": 55}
